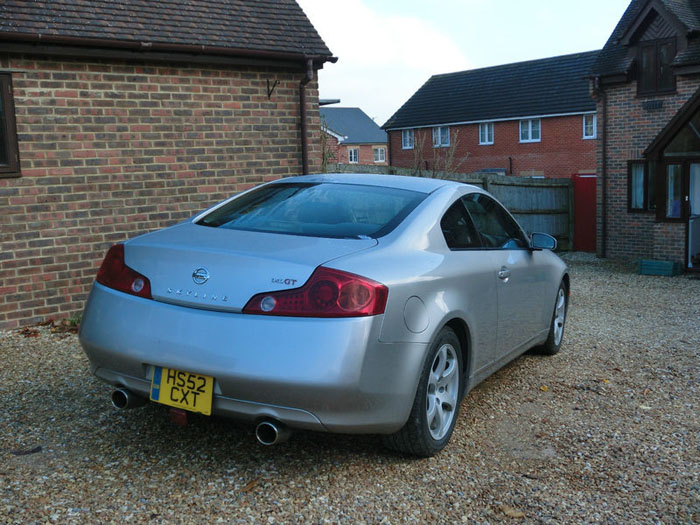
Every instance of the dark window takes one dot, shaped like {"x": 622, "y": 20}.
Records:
{"x": 655, "y": 72}
{"x": 9, "y": 155}
{"x": 458, "y": 228}
{"x": 640, "y": 186}
{"x": 496, "y": 227}
{"x": 350, "y": 211}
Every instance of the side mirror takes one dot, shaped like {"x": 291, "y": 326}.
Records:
{"x": 542, "y": 241}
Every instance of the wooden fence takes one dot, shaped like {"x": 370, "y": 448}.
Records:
{"x": 539, "y": 204}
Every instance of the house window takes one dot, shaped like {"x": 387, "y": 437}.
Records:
{"x": 379, "y": 154}
{"x": 9, "y": 154}
{"x": 441, "y": 137}
{"x": 640, "y": 186}
{"x": 353, "y": 155}
{"x": 590, "y": 125}
{"x": 530, "y": 130}
{"x": 407, "y": 139}
{"x": 655, "y": 74}
{"x": 636, "y": 186}
{"x": 486, "y": 133}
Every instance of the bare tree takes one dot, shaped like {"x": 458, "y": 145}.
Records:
{"x": 327, "y": 151}
{"x": 419, "y": 140}
{"x": 445, "y": 160}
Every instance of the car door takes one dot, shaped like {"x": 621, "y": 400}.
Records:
{"x": 469, "y": 276}
{"x": 520, "y": 280}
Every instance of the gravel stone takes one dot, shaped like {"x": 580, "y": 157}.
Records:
{"x": 606, "y": 431}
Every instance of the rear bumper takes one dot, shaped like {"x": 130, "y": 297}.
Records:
{"x": 320, "y": 374}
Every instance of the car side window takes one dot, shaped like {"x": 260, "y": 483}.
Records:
{"x": 458, "y": 228}
{"x": 496, "y": 227}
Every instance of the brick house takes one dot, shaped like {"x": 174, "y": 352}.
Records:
{"x": 120, "y": 118}
{"x": 533, "y": 118}
{"x": 646, "y": 81}
{"x": 352, "y": 137}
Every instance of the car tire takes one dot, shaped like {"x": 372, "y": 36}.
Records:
{"x": 556, "y": 328}
{"x": 436, "y": 405}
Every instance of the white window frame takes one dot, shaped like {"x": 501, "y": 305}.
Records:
{"x": 529, "y": 123}
{"x": 407, "y": 139}
{"x": 441, "y": 137}
{"x": 594, "y": 126}
{"x": 379, "y": 154}
{"x": 353, "y": 153}
{"x": 486, "y": 133}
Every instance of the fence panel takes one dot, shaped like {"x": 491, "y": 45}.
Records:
{"x": 539, "y": 205}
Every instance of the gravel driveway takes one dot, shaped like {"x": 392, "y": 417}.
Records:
{"x": 606, "y": 431}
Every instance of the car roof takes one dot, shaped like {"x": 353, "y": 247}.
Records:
{"x": 419, "y": 184}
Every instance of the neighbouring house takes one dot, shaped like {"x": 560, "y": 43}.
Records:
{"x": 646, "y": 81}
{"x": 534, "y": 118}
{"x": 352, "y": 137}
{"x": 117, "y": 118}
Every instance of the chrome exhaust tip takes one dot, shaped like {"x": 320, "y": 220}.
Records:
{"x": 123, "y": 398}
{"x": 271, "y": 433}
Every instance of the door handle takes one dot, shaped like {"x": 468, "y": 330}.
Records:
{"x": 504, "y": 273}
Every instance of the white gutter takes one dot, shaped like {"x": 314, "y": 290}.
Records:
{"x": 467, "y": 122}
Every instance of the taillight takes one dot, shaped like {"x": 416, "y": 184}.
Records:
{"x": 327, "y": 293}
{"x": 114, "y": 273}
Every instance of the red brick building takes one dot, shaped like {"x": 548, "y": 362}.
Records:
{"x": 533, "y": 118}
{"x": 646, "y": 81}
{"x": 118, "y": 119}
{"x": 352, "y": 137}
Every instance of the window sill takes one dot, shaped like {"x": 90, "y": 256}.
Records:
{"x": 10, "y": 174}
{"x": 652, "y": 94}
{"x": 485, "y": 143}
{"x": 530, "y": 141}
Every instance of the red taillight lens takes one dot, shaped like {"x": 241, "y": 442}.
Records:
{"x": 327, "y": 293}
{"x": 114, "y": 273}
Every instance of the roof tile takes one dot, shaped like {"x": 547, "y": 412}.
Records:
{"x": 354, "y": 124}
{"x": 266, "y": 25}
{"x": 548, "y": 86}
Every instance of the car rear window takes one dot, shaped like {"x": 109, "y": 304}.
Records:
{"x": 317, "y": 210}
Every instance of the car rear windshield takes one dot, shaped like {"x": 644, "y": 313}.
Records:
{"x": 317, "y": 210}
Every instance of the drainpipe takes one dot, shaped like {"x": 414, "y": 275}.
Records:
{"x": 302, "y": 103}
{"x": 603, "y": 168}
{"x": 388, "y": 151}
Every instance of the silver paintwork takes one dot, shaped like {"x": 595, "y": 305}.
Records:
{"x": 341, "y": 375}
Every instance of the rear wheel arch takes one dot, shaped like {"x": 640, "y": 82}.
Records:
{"x": 461, "y": 329}
{"x": 566, "y": 280}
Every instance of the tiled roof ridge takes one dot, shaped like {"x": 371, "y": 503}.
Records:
{"x": 513, "y": 64}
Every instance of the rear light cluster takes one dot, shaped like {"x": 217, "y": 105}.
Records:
{"x": 115, "y": 274}
{"x": 327, "y": 293}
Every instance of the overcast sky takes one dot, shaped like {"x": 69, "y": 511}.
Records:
{"x": 387, "y": 49}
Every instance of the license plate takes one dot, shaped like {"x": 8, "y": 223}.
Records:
{"x": 185, "y": 390}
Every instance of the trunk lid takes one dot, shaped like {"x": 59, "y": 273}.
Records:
{"x": 221, "y": 269}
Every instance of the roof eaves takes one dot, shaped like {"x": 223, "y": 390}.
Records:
{"x": 484, "y": 121}
{"x": 136, "y": 45}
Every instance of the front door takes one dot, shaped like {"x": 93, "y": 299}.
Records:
{"x": 682, "y": 204}
{"x": 694, "y": 217}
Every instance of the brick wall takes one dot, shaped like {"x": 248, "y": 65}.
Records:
{"x": 560, "y": 153}
{"x": 338, "y": 153}
{"x": 110, "y": 150}
{"x": 631, "y": 128}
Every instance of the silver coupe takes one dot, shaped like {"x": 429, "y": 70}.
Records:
{"x": 346, "y": 303}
